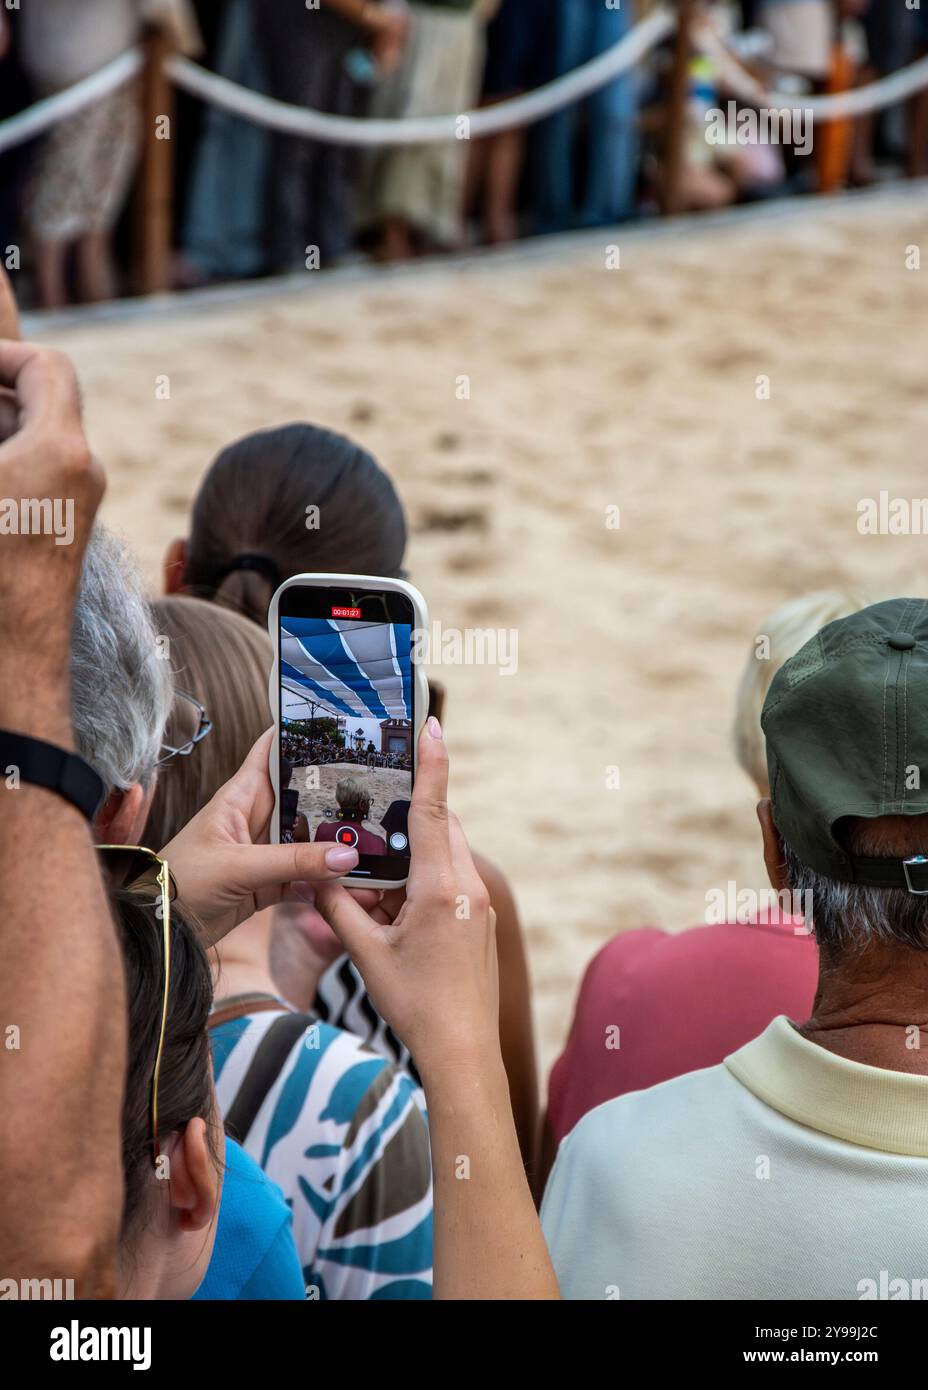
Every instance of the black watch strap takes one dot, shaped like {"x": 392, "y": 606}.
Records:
{"x": 45, "y": 765}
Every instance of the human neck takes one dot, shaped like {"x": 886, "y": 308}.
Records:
{"x": 872, "y": 1007}
{"x": 151, "y": 1271}
{"x": 244, "y": 959}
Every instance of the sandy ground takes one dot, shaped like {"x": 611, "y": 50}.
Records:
{"x": 384, "y": 784}
{"x": 589, "y": 388}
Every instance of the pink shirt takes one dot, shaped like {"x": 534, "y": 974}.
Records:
{"x": 679, "y": 1002}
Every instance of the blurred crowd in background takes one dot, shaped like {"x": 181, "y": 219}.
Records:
{"x": 248, "y": 202}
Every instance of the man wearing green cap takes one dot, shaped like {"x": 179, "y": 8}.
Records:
{"x": 799, "y": 1167}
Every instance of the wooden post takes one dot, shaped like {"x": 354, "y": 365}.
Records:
{"x": 834, "y": 140}
{"x": 155, "y": 198}
{"x": 677, "y": 116}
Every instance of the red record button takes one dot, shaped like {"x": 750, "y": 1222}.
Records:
{"x": 347, "y": 836}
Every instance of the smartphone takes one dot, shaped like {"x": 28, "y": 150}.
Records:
{"x": 349, "y": 702}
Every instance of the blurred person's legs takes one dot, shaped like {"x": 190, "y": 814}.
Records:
{"x": 224, "y": 233}
{"x": 14, "y": 97}
{"x": 518, "y": 43}
{"x": 572, "y": 28}
{"x": 333, "y": 180}
{"x": 309, "y": 193}
{"x": 803, "y": 34}
{"x": 504, "y": 158}
{"x": 396, "y": 240}
{"x": 612, "y": 138}
{"x": 890, "y": 33}
{"x": 83, "y": 174}
{"x": 381, "y": 203}
{"x": 10, "y": 203}
{"x": 918, "y": 140}
{"x": 95, "y": 274}
{"x": 413, "y": 196}
{"x": 192, "y": 114}
{"x": 50, "y": 263}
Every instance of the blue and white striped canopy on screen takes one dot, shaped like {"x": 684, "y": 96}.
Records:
{"x": 362, "y": 670}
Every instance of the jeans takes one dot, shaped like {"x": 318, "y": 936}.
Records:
{"x": 584, "y": 29}
{"x": 224, "y": 227}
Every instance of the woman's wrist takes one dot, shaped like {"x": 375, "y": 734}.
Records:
{"x": 463, "y": 1066}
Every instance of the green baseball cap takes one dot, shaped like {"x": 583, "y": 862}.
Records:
{"x": 846, "y": 724}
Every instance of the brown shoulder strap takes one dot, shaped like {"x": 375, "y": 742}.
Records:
{"x": 241, "y": 1005}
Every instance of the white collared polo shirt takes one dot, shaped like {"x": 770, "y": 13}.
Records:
{"x": 785, "y": 1172}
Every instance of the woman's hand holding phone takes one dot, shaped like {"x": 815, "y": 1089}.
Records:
{"x": 427, "y": 952}
{"x": 428, "y": 957}
{"x": 223, "y": 866}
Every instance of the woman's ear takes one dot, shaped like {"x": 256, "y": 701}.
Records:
{"x": 174, "y": 565}
{"x": 773, "y": 847}
{"x": 196, "y": 1182}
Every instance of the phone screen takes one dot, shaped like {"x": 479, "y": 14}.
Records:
{"x": 347, "y": 723}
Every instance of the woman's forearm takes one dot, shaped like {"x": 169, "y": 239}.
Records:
{"x": 488, "y": 1239}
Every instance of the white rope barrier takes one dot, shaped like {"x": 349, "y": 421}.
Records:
{"x": 505, "y": 115}
{"x": 355, "y": 130}
{"x": 52, "y": 110}
{"x": 898, "y": 86}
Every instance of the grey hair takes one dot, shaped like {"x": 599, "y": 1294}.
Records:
{"x": 848, "y": 916}
{"x": 121, "y": 690}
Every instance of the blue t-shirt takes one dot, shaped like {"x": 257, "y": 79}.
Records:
{"x": 254, "y": 1255}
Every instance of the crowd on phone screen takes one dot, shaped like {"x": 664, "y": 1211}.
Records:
{"x": 278, "y": 1132}
{"x": 304, "y": 751}
{"x": 249, "y": 202}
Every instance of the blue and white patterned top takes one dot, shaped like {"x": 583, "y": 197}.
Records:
{"x": 343, "y": 1134}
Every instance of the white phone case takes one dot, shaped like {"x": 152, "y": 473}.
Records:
{"x": 420, "y": 623}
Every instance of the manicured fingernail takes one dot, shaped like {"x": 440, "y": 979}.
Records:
{"x": 341, "y": 858}
{"x": 433, "y": 726}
